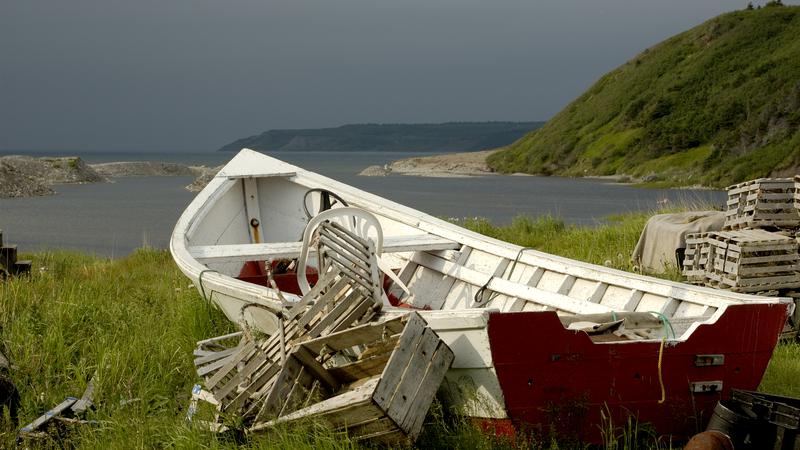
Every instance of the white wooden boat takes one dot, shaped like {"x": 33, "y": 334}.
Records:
{"x": 525, "y": 326}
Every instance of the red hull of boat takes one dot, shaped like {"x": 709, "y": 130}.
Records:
{"x": 558, "y": 380}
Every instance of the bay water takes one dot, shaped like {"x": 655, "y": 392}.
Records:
{"x": 113, "y": 219}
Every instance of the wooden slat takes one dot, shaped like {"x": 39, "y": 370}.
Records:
{"x": 411, "y": 377}
{"x": 364, "y": 368}
{"x": 363, "y": 334}
{"x": 599, "y": 292}
{"x": 315, "y": 367}
{"x": 285, "y": 381}
{"x": 349, "y": 407}
{"x": 440, "y": 363}
{"x": 769, "y": 259}
{"x": 290, "y": 250}
{"x": 394, "y": 369}
{"x": 509, "y": 288}
{"x": 437, "y": 296}
{"x": 776, "y": 269}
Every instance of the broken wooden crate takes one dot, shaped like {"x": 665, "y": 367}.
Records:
{"x": 240, "y": 377}
{"x": 744, "y": 260}
{"x": 765, "y": 202}
{"x": 383, "y": 395}
{"x": 375, "y": 381}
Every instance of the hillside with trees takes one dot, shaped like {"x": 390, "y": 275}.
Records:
{"x": 715, "y": 105}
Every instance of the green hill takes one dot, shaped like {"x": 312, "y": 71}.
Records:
{"x": 441, "y": 137}
{"x": 715, "y": 105}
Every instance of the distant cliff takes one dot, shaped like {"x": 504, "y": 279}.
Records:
{"x": 444, "y": 137}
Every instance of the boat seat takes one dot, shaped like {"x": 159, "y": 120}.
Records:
{"x": 206, "y": 254}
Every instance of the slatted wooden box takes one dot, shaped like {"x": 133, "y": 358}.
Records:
{"x": 382, "y": 396}
{"x": 752, "y": 261}
{"x": 765, "y": 202}
{"x": 696, "y": 259}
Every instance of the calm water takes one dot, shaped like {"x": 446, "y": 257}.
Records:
{"x": 114, "y": 218}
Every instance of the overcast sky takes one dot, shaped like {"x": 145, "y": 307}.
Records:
{"x": 194, "y": 75}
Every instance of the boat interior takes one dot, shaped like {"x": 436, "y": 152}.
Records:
{"x": 444, "y": 267}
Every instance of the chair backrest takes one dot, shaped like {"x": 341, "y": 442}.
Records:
{"x": 348, "y": 240}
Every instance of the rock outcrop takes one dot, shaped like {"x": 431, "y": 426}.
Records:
{"x": 25, "y": 176}
{"x": 203, "y": 178}
{"x": 448, "y": 165}
{"x": 15, "y": 183}
{"x": 146, "y": 169}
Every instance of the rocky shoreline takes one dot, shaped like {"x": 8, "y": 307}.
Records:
{"x": 466, "y": 164}
{"x": 25, "y": 176}
{"x": 473, "y": 164}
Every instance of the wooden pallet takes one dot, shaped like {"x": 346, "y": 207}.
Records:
{"x": 743, "y": 261}
{"x": 765, "y": 202}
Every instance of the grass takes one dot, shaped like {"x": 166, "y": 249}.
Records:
{"x": 132, "y": 323}
{"x": 609, "y": 243}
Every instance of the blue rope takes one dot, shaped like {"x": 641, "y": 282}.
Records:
{"x": 667, "y": 324}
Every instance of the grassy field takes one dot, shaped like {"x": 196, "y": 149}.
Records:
{"x": 132, "y": 324}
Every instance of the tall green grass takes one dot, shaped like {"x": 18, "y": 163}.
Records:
{"x": 609, "y": 243}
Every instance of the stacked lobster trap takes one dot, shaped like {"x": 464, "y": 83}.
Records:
{"x": 742, "y": 260}
{"x": 761, "y": 203}
{"x": 758, "y": 250}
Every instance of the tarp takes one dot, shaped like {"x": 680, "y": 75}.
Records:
{"x": 664, "y": 234}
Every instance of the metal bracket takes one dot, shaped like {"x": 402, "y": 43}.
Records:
{"x": 709, "y": 360}
{"x": 705, "y": 387}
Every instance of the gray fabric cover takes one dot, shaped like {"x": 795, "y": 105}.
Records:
{"x": 665, "y": 233}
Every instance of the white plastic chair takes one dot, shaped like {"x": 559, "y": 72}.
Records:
{"x": 362, "y": 227}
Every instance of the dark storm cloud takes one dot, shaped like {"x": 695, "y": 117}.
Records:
{"x": 178, "y": 75}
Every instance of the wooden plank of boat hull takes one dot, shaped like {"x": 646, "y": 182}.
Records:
{"x": 289, "y": 250}
{"x": 518, "y": 304}
{"x": 441, "y": 291}
{"x": 546, "y": 298}
{"x": 633, "y": 300}
{"x": 472, "y": 291}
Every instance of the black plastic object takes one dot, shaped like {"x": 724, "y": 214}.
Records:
{"x": 758, "y": 421}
